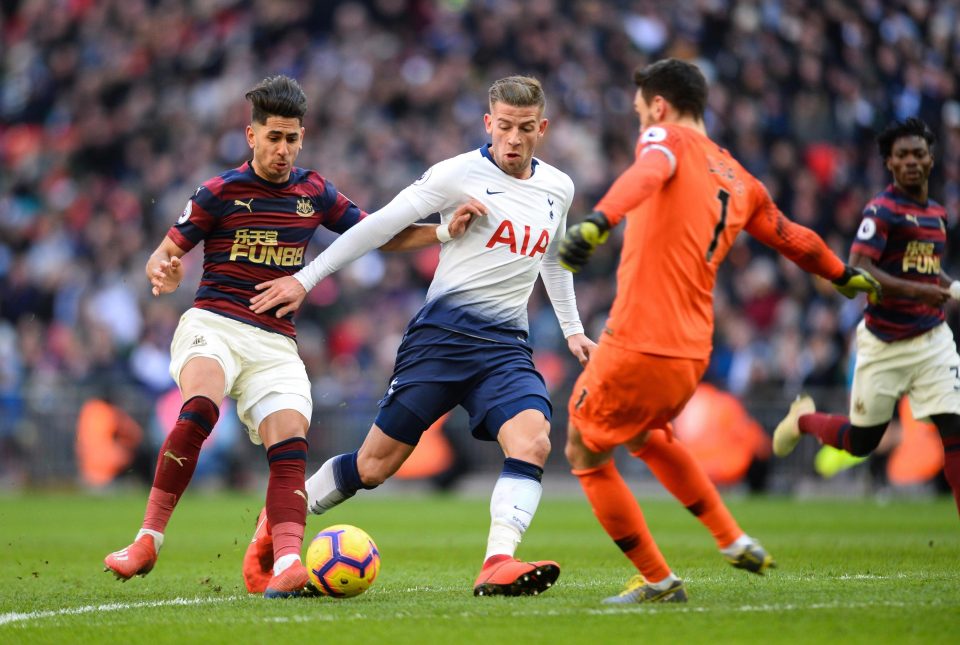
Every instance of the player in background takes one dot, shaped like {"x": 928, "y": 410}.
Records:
{"x": 255, "y": 222}
{"x": 685, "y": 199}
{"x": 904, "y": 346}
{"x": 468, "y": 344}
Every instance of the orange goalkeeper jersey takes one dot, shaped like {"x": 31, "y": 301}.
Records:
{"x": 686, "y": 199}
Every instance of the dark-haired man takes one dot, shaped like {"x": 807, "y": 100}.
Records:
{"x": 903, "y": 344}
{"x": 685, "y": 199}
{"x": 255, "y": 222}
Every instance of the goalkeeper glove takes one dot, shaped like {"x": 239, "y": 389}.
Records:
{"x": 581, "y": 240}
{"x": 855, "y": 280}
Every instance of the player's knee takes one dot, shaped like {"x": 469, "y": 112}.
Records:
{"x": 577, "y": 454}
{"x": 574, "y": 454}
{"x": 531, "y": 447}
{"x": 540, "y": 447}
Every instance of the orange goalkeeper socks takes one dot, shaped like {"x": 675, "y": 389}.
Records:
{"x": 621, "y": 517}
{"x": 680, "y": 473}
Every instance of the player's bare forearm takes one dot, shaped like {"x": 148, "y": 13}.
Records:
{"x": 418, "y": 236}
{"x": 164, "y": 269}
{"x": 895, "y": 287}
{"x": 415, "y": 236}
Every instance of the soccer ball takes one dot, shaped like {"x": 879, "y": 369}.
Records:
{"x": 342, "y": 561}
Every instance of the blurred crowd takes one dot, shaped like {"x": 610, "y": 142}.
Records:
{"x": 113, "y": 111}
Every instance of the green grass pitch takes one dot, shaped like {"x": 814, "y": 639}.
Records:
{"x": 850, "y": 571}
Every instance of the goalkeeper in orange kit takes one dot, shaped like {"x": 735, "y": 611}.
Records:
{"x": 686, "y": 199}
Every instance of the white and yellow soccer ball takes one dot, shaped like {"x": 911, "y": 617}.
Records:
{"x": 343, "y": 561}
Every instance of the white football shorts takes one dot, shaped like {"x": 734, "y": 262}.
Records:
{"x": 926, "y": 367}
{"x": 263, "y": 370}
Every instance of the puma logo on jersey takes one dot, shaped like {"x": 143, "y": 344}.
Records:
{"x": 169, "y": 455}
{"x": 247, "y": 204}
{"x": 913, "y": 218}
{"x": 506, "y": 234}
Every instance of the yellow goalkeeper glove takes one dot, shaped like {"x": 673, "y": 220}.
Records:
{"x": 854, "y": 280}
{"x": 582, "y": 239}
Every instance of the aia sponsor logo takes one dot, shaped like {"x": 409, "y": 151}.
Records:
{"x": 521, "y": 240}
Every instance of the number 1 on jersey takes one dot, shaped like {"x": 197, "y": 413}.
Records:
{"x": 724, "y": 198}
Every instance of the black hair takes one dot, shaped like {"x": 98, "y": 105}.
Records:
{"x": 681, "y": 83}
{"x": 277, "y": 96}
{"x": 912, "y": 127}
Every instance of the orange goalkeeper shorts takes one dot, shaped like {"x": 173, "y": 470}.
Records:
{"x": 621, "y": 393}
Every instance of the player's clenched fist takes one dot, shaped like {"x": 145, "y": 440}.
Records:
{"x": 854, "y": 280}
{"x": 581, "y": 240}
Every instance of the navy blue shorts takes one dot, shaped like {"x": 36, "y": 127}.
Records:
{"x": 437, "y": 370}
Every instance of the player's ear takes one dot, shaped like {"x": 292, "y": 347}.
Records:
{"x": 488, "y": 122}
{"x": 543, "y": 126}
{"x": 251, "y": 136}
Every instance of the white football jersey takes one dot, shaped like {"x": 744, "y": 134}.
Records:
{"x": 485, "y": 277}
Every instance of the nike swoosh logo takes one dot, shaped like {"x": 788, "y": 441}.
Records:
{"x": 179, "y": 460}
{"x": 495, "y": 192}
{"x": 522, "y": 510}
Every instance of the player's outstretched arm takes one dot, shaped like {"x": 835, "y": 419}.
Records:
{"x": 808, "y": 250}
{"x": 418, "y": 236}
{"x": 164, "y": 269}
{"x": 289, "y": 292}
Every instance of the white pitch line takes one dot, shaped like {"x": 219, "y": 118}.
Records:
{"x": 15, "y": 617}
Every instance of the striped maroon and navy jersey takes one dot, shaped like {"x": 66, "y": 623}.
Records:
{"x": 906, "y": 239}
{"x": 253, "y": 231}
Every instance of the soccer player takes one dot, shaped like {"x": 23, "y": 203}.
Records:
{"x": 685, "y": 199}
{"x": 255, "y": 222}
{"x": 468, "y": 344}
{"x": 903, "y": 344}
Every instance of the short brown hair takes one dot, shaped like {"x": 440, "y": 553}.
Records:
{"x": 518, "y": 91}
{"x": 681, "y": 83}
